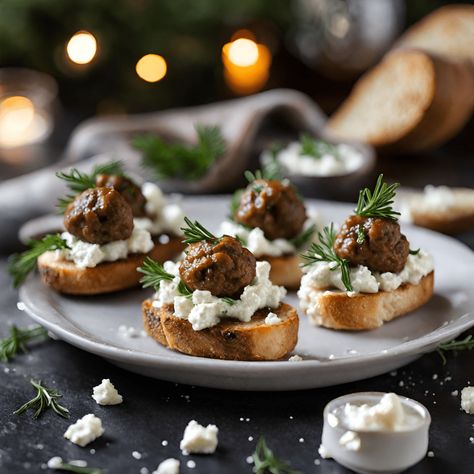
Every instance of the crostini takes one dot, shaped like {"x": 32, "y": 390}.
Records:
{"x": 111, "y": 225}
{"x": 270, "y": 219}
{"x": 218, "y": 302}
{"x": 365, "y": 274}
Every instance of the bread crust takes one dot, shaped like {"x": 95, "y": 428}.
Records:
{"x": 64, "y": 276}
{"x": 285, "y": 271}
{"x": 230, "y": 339}
{"x": 365, "y": 311}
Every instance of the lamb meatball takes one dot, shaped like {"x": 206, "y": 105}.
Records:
{"x": 384, "y": 248}
{"x": 127, "y": 188}
{"x": 224, "y": 268}
{"x": 273, "y": 206}
{"x": 99, "y": 216}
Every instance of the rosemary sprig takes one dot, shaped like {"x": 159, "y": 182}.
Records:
{"x": 196, "y": 232}
{"x": 175, "y": 160}
{"x": 18, "y": 339}
{"x": 45, "y": 398}
{"x": 315, "y": 148}
{"x": 324, "y": 252}
{"x": 360, "y": 234}
{"x": 20, "y": 265}
{"x": 271, "y": 166}
{"x": 64, "y": 466}
{"x": 464, "y": 344}
{"x": 227, "y": 299}
{"x": 379, "y": 202}
{"x": 266, "y": 462}
{"x": 78, "y": 181}
{"x": 304, "y": 237}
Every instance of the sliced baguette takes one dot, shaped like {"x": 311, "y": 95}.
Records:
{"x": 457, "y": 218}
{"x": 285, "y": 271}
{"x": 337, "y": 310}
{"x": 448, "y": 31}
{"x": 230, "y": 339}
{"x": 65, "y": 277}
{"x": 411, "y": 101}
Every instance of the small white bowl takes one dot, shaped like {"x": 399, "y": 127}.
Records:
{"x": 380, "y": 452}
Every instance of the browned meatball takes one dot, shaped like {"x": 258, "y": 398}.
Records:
{"x": 383, "y": 249}
{"x": 273, "y": 206}
{"x": 127, "y": 188}
{"x": 99, "y": 216}
{"x": 224, "y": 268}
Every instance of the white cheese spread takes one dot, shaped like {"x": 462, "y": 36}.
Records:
{"x": 168, "y": 466}
{"x": 203, "y": 310}
{"x": 350, "y": 440}
{"x": 272, "y": 319}
{"x": 467, "y": 400}
{"x": 259, "y": 245}
{"x": 106, "y": 393}
{"x": 345, "y": 160}
{"x": 199, "y": 439}
{"x": 86, "y": 255}
{"x": 85, "y": 430}
{"x": 167, "y": 218}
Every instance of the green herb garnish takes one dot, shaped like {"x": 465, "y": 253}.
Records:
{"x": 324, "y": 252}
{"x": 360, "y": 234}
{"x": 45, "y": 398}
{"x": 18, "y": 339}
{"x": 266, "y": 462}
{"x": 464, "y": 344}
{"x": 196, "y": 232}
{"x": 175, "y": 160}
{"x": 414, "y": 252}
{"x": 315, "y": 148}
{"x": 230, "y": 301}
{"x": 379, "y": 202}
{"x": 64, "y": 466}
{"x": 271, "y": 167}
{"x": 304, "y": 237}
{"x": 21, "y": 264}
{"x": 78, "y": 181}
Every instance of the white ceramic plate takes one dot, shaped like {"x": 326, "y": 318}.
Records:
{"x": 330, "y": 357}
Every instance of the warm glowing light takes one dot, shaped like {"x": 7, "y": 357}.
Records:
{"x": 243, "y": 52}
{"x": 82, "y": 47}
{"x": 20, "y": 124}
{"x": 246, "y": 64}
{"x": 151, "y": 67}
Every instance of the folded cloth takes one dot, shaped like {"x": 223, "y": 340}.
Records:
{"x": 244, "y": 124}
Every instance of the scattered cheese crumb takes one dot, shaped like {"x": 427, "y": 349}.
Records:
{"x": 295, "y": 358}
{"x": 272, "y": 319}
{"x": 323, "y": 452}
{"x": 136, "y": 455}
{"x": 78, "y": 463}
{"x": 168, "y": 466}
{"x": 128, "y": 331}
{"x": 191, "y": 464}
{"x": 85, "y": 430}
{"x": 199, "y": 439}
{"x": 317, "y": 462}
{"x": 467, "y": 400}
{"x": 435, "y": 376}
{"x": 144, "y": 470}
{"x": 430, "y": 454}
{"x": 164, "y": 443}
{"x": 455, "y": 393}
{"x": 301, "y": 440}
{"x": 249, "y": 460}
{"x": 55, "y": 462}
{"x": 250, "y": 438}
{"x": 106, "y": 393}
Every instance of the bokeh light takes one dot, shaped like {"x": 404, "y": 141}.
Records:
{"x": 151, "y": 67}
{"x": 243, "y": 52}
{"x": 82, "y": 47}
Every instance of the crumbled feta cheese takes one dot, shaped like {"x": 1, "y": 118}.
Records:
{"x": 191, "y": 464}
{"x": 199, "y": 439}
{"x": 136, "y": 455}
{"x": 168, "y": 466}
{"x": 323, "y": 452}
{"x": 350, "y": 440}
{"x": 467, "y": 400}
{"x": 295, "y": 358}
{"x": 86, "y": 255}
{"x": 55, "y": 462}
{"x": 430, "y": 454}
{"x": 204, "y": 310}
{"x": 85, "y": 430}
{"x": 128, "y": 331}
{"x": 333, "y": 420}
{"x": 106, "y": 393}
{"x": 272, "y": 319}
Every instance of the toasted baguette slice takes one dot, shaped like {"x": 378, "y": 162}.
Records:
{"x": 65, "y": 277}
{"x": 230, "y": 339}
{"x": 337, "y": 310}
{"x": 285, "y": 271}
{"x": 410, "y": 102}
{"x": 448, "y": 31}
{"x": 457, "y": 218}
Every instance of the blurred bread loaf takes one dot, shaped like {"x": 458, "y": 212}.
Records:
{"x": 448, "y": 32}
{"x": 409, "y": 102}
